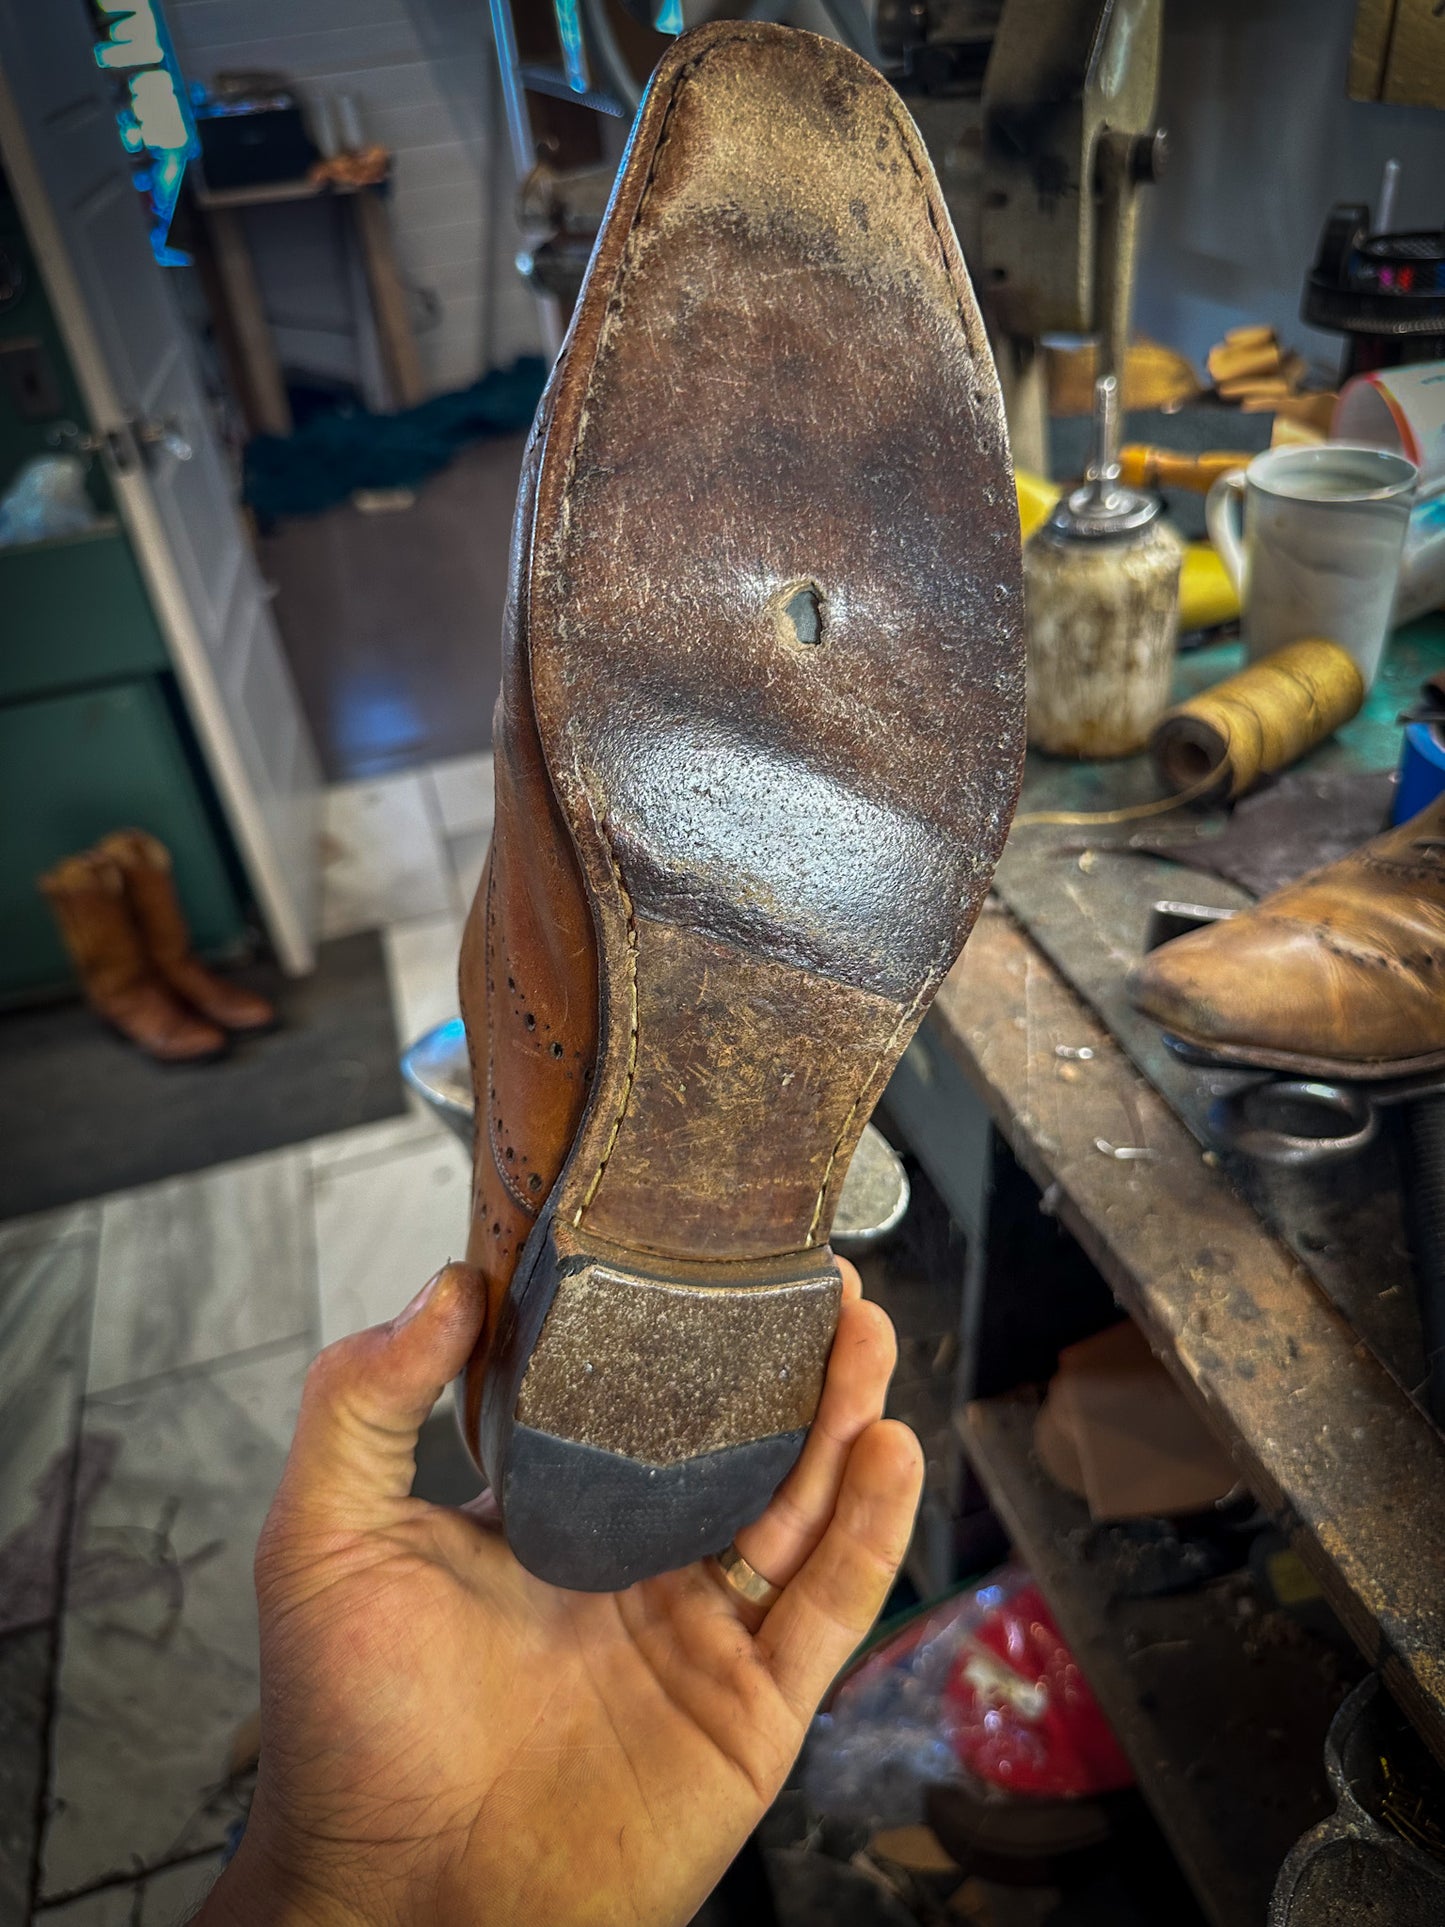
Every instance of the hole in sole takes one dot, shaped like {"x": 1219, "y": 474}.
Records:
{"x": 800, "y": 616}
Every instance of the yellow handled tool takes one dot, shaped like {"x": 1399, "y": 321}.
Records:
{"x": 1144, "y": 467}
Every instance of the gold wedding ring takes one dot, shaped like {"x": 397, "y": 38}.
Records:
{"x": 746, "y": 1581}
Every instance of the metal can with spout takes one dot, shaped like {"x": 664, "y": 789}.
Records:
{"x": 1101, "y": 589}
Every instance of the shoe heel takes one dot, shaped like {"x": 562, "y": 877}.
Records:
{"x": 638, "y": 1411}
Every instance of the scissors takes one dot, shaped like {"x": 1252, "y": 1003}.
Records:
{"x": 1298, "y": 1122}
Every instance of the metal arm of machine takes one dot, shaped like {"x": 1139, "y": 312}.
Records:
{"x": 1040, "y": 118}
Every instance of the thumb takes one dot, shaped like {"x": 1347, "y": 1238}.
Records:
{"x": 353, "y": 1456}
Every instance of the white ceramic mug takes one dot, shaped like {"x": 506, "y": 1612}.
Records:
{"x": 1319, "y": 552}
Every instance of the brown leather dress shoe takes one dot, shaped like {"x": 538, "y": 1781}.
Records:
{"x": 88, "y": 897}
{"x": 1339, "y": 975}
{"x": 145, "y": 863}
{"x": 756, "y": 754}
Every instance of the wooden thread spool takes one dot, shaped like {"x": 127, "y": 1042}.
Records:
{"x": 1222, "y": 741}
{"x": 1217, "y": 745}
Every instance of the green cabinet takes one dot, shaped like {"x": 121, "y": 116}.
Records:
{"x": 92, "y": 735}
{"x": 74, "y": 767}
{"x": 74, "y": 611}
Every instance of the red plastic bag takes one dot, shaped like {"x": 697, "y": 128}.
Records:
{"x": 1020, "y": 1714}
{"x": 977, "y": 1689}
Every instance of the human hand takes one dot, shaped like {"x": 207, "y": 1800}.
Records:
{"x": 446, "y": 1738}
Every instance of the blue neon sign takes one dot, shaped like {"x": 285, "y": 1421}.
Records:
{"x": 156, "y": 120}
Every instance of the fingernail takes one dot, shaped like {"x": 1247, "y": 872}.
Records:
{"x": 417, "y": 1304}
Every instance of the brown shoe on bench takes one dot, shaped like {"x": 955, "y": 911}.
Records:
{"x": 756, "y": 754}
{"x": 1341, "y": 974}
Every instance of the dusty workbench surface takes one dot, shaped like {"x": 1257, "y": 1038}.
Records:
{"x": 1325, "y": 1437}
{"x": 1084, "y": 893}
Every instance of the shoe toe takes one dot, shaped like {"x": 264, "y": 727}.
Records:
{"x": 191, "y": 1043}
{"x": 245, "y": 1011}
{"x": 1238, "y": 985}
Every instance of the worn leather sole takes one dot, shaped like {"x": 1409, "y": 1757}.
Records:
{"x": 773, "y": 623}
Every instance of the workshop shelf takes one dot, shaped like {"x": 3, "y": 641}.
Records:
{"x": 1221, "y": 1706}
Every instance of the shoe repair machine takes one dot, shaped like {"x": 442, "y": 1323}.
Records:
{"x": 1039, "y": 116}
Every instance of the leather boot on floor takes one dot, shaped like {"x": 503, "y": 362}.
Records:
{"x": 756, "y": 753}
{"x": 145, "y": 864}
{"x": 1341, "y": 974}
{"x": 88, "y": 896}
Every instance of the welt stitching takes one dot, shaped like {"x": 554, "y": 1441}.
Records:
{"x": 933, "y": 223}
{"x": 614, "y": 300}
{"x": 614, "y": 311}
{"x": 631, "y": 1074}
{"x": 905, "y": 1018}
{"x": 468, "y": 1028}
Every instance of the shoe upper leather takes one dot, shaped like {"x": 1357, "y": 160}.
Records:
{"x": 528, "y": 972}
{"x": 1347, "y": 964}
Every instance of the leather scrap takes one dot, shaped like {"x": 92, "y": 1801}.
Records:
{"x": 1296, "y": 825}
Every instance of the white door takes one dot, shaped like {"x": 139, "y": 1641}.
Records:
{"x": 132, "y": 358}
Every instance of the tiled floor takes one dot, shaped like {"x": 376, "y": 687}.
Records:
{"x": 152, "y": 1345}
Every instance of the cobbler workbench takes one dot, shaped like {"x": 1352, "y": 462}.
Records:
{"x": 1258, "y": 1293}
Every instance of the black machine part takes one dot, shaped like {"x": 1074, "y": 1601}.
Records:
{"x": 253, "y": 143}
{"x": 1384, "y": 292}
{"x": 1422, "y": 1160}
{"x": 1376, "y": 1859}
